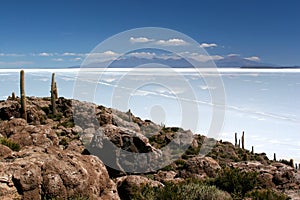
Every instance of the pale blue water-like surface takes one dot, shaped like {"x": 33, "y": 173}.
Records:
{"x": 265, "y": 103}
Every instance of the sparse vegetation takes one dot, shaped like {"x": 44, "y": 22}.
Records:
{"x": 266, "y": 194}
{"x": 236, "y": 182}
{"x": 12, "y": 145}
{"x": 183, "y": 191}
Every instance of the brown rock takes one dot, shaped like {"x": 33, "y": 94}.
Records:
{"x": 203, "y": 166}
{"x": 128, "y": 184}
{"x": 4, "y": 151}
{"x": 37, "y": 172}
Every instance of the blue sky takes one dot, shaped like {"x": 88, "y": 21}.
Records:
{"x": 40, "y": 33}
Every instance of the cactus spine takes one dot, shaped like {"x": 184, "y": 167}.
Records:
{"x": 23, "y": 97}
{"x": 243, "y": 140}
{"x": 235, "y": 139}
{"x": 53, "y": 96}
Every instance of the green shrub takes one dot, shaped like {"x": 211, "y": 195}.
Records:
{"x": 182, "y": 191}
{"x": 180, "y": 162}
{"x": 12, "y": 145}
{"x": 67, "y": 124}
{"x": 236, "y": 182}
{"x": 63, "y": 142}
{"x": 56, "y": 117}
{"x": 167, "y": 168}
{"x": 266, "y": 194}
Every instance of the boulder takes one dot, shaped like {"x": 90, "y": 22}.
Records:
{"x": 127, "y": 185}
{"x": 4, "y": 151}
{"x": 201, "y": 167}
{"x": 39, "y": 173}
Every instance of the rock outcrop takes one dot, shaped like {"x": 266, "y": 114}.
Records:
{"x": 87, "y": 150}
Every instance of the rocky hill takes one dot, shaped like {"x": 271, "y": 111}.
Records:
{"x": 64, "y": 155}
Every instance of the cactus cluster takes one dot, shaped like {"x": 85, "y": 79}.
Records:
{"x": 54, "y": 95}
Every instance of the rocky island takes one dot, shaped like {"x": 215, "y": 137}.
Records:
{"x": 46, "y": 154}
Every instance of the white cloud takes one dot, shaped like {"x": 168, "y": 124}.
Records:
{"x": 201, "y": 57}
{"x": 172, "y": 42}
{"x": 11, "y": 54}
{"x": 166, "y": 56}
{"x": 44, "y": 54}
{"x": 76, "y": 59}
{"x": 140, "y": 40}
{"x": 147, "y": 55}
{"x": 58, "y": 59}
{"x": 15, "y": 64}
{"x": 253, "y": 58}
{"x": 102, "y": 57}
{"x": 69, "y": 54}
{"x": 233, "y": 55}
{"x": 207, "y": 45}
{"x": 206, "y": 87}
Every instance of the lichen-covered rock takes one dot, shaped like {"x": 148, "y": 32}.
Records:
{"x": 24, "y": 134}
{"x": 38, "y": 173}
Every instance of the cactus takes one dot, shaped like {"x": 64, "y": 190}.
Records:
{"x": 53, "y": 97}
{"x": 55, "y": 91}
{"x": 23, "y": 97}
{"x": 274, "y": 157}
{"x": 129, "y": 115}
{"x": 239, "y": 143}
{"x": 13, "y": 96}
{"x": 243, "y": 140}
{"x": 252, "y": 151}
{"x": 235, "y": 139}
{"x": 292, "y": 163}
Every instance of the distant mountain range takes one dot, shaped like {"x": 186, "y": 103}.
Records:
{"x": 227, "y": 62}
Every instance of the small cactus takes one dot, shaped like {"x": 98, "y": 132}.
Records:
{"x": 252, "y": 150}
{"x": 129, "y": 115}
{"x": 53, "y": 96}
{"x": 13, "y": 96}
{"x": 274, "y": 157}
{"x": 243, "y": 140}
{"x": 239, "y": 143}
{"x": 22, "y": 94}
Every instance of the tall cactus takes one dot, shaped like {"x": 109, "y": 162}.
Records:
{"x": 23, "y": 97}
{"x": 55, "y": 91}
{"x": 274, "y": 157}
{"x": 243, "y": 140}
{"x": 235, "y": 139}
{"x": 252, "y": 151}
{"x": 53, "y": 97}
